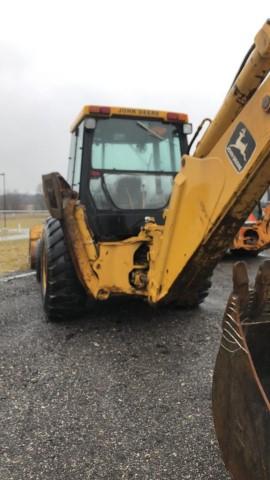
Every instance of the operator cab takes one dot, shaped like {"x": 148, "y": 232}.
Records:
{"x": 122, "y": 164}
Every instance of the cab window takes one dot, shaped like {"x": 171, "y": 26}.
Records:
{"x": 75, "y": 158}
{"x": 136, "y": 145}
{"x": 133, "y": 163}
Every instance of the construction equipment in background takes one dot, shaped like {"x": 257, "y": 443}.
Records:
{"x": 254, "y": 236}
{"x": 126, "y": 223}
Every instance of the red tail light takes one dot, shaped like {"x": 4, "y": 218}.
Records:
{"x": 100, "y": 110}
{"x": 177, "y": 117}
{"x": 95, "y": 174}
{"x": 172, "y": 117}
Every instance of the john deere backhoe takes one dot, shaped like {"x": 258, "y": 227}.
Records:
{"x": 121, "y": 223}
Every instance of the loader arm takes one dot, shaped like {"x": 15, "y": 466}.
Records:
{"x": 218, "y": 186}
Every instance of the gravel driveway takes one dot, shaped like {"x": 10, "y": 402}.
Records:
{"x": 123, "y": 393}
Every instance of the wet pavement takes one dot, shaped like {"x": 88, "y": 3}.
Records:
{"x": 123, "y": 393}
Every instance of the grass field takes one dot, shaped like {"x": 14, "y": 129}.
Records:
{"x": 22, "y": 220}
{"x": 13, "y": 256}
{"x": 14, "y": 253}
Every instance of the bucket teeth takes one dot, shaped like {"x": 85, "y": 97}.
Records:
{"x": 240, "y": 278}
{"x": 260, "y": 308}
{"x": 238, "y": 305}
{"x": 241, "y": 381}
{"x": 241, "y": 287}
{"x": 252, "y": 305}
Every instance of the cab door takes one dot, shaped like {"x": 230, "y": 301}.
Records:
{"x": 75, "y": 158}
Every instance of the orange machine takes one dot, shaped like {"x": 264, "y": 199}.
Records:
{"x": 254, "y": 236}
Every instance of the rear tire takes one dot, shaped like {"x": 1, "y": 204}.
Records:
{"x": 241, "y": 252}
{"x": 62, "y": 294}
{"x": 194, "y": 298}
{"x": 252, "y": 253}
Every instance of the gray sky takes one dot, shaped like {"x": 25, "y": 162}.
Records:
{"x": 56, "y": 56}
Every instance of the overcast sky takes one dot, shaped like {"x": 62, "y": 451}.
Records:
{"x": 57, "y": 56}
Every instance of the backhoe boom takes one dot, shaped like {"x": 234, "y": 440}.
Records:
{"x": 219, "y": 190}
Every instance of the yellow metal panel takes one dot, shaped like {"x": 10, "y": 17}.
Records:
{"x": 86, "y": 234}
{"x": 203, "y": 193}
{"x": 81, "y": 245}
{"x": 189, "y": 217}
{"x": 92, "y": 111}
{"x": 105, "y": 267}
{"x": 113, "y": 267}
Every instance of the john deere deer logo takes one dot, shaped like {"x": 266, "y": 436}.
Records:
{"x": 240, "y": 147}
{"x": 239, "y": 144}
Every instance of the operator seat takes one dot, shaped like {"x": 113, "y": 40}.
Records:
{"x": 128, "y": 193}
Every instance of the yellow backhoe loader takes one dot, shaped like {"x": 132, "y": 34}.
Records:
{"x": 121, "y": 223}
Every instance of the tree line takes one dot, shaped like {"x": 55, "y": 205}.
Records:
{"x": 22, "y": 201}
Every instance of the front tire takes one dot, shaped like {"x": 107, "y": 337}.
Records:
{"x": 62, "y": 294}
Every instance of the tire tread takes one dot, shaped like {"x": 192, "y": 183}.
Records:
{"x": 64, "y": 296}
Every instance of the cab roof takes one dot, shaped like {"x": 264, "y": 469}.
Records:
{"x": 101, "y": 111}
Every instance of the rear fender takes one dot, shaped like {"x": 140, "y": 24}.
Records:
{"x": 34, "y": 236}
{"x": 56, "y": 191}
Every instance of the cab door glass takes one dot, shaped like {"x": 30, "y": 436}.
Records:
{"x": 133, "y": 163}
{"x": 71, "y": 158}
{"x": 78, "y": 159}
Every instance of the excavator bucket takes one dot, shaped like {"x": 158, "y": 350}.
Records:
{"x": 241, "y": 383}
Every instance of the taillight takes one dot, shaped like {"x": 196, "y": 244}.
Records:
{"x": 95, "y": 174}
{"x": 100, "y": 110}
{"x": 177, "y": 117}
{"x": 172, "y": 117}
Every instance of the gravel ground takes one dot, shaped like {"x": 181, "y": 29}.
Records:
{"x": 123, "y": 393}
